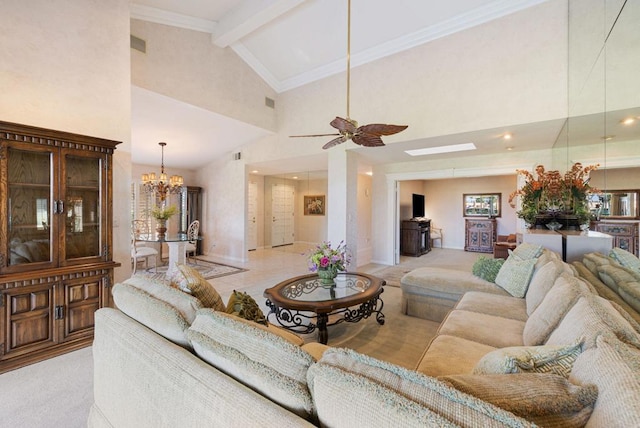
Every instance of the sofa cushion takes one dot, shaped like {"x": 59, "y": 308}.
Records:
{"x": 530, "y": 359}
{"x": 493, "y": 304}
{"x": 515, "y": 274}
{"x": 158, "y": 315}
{"x": 595, "y": 259}
{"x": 589, "y": 318}
{"x": 482, "y": 328}
{"x": 185, "y": 303}
{"x": 487, "y": 268}
{"x": 625, "y": 258}
{"x": 565, "y": 292}
{"x": 244, "y": 306}
{"x": 548, "y": 400}
{"x": 630, "y": 293}
{"x": 191, "y": 281}
{"x": 614, "y": 367}
{"x": 527, "y": 251}
{"x": 255, "y": 356}
{"x": 451, "y": 355}
{"x": 541, "y": 282}
{"x": 382, "y": 394}
{"x": 613, "y": 275}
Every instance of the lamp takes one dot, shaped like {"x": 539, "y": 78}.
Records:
{"x": 160, "y": 186}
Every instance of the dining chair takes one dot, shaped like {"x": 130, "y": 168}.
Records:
{"x": 139, "y": 250}
{"x": 192, "y": 236}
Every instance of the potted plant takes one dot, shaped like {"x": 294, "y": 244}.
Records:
{"x": 162, "y": 214}
{"x": 327, "y": 261}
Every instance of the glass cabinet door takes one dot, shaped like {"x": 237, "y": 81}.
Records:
{"x": 82, "y": 206}
{"x": 29, "y": 208}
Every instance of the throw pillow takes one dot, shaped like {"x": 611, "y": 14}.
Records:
{"x": 514, "y": 275}
{"x": 244, "y": 306}
{"x": 543, "y": 398}
{"x": 530, "y": 359}
{"x": 487, "y": 268}
{"x": 625, "y": 258}
{"x": 527, "y": 251}
{"x": 541, "y": 282}
{"x": 191, "y": 281}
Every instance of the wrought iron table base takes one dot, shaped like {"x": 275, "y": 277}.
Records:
{"x": 301, "y": 322}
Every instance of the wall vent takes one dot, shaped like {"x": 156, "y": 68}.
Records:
{"x": 269, "y": 102}
{"x": 138, "y": 44}
{"x": 237, "y": 156}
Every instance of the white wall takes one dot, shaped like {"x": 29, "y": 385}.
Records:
{"x": 310, "y": 228}
{"x": 66, "y": 67}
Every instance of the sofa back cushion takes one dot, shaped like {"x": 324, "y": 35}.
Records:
{"x": 541, "y": 282}
{"x": 614, "y": 367}
{"x": 546, "y": 399}
{"x": 591, "y": 317}
{"x": 154, "y": 313}
{"x": 382, "y": 394}
{"x": 256, "y": 356}
{"x": 527, "y": 251}
{"x": 564, "y": 293}
{"x": 593, "y": 260}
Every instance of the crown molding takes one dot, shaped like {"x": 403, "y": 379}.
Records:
{"x": 159, "y": 16}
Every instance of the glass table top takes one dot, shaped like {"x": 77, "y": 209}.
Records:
{"x": 309, "y": 288}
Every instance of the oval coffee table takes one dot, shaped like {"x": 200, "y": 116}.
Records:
{"x": 302, "y": 304}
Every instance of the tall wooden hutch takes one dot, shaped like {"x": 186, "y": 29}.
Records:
{"x": 56, "y": 262}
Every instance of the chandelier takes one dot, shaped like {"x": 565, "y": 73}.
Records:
{"x": 160, "y": 186}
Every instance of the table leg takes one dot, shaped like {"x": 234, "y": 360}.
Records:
{"x": 177, "y": 255}
{"x": 323, "y": 335}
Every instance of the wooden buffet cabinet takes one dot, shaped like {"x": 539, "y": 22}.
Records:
{"x": 56, "y": 264}
{"x": 480, "y": 234}
{"x": 625, "y": 234}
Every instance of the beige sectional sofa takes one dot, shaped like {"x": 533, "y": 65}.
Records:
{"x": 559, "y": 356}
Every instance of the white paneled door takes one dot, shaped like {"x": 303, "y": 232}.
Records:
{"x": 282, "y": 210}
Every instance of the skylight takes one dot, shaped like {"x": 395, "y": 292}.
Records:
{"x": 441, "y": 149}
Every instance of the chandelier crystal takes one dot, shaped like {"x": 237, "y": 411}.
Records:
{"x": 160, "y": 186}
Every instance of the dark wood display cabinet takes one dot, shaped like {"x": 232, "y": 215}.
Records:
{"x": 480, "y": 235}
{"x": 56, "y": 263}
{"x": 414, "y": 237}
{"x": 625, "y": 234}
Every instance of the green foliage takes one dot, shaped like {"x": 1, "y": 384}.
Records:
{"x": 164, "y": 213}
{"x": 487, "y": 268}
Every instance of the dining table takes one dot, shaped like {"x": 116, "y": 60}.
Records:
{"x": 177, "y": 244}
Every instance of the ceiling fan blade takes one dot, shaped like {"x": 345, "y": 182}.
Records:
{"x": 381, "y": 129}
{"x": 343, "y": 125}
{"x": 335, "y": 142}
{"x": 313, "y": 135}
{"x": 367, "y": 140}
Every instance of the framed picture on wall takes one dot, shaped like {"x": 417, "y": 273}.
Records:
{"x": 314, "y": 205}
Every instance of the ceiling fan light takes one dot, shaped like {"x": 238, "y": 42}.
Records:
{"x": 441, "y": 149}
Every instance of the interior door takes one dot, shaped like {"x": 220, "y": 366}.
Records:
{"x": 252, "y": 212}
{"x": 282, "y": 211}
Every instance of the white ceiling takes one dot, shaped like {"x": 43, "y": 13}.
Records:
{"x": 261, "y": 33}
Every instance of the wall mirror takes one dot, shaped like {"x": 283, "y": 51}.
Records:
{"x": 617, "y": 204}
{"x": 481, "y": 204}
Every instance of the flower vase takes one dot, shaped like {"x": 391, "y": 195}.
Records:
{"x": 327, "y": 276}
{"x": 161, "y": 228}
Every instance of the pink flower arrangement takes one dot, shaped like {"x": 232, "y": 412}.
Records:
{"x": 325, "y": 257}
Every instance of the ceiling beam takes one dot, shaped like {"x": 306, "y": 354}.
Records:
{"x": 248, "y": 17}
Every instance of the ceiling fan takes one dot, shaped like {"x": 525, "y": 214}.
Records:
{"x": 348, "y": 129}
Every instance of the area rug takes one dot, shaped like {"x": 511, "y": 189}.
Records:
{"x": 207, "y": 269}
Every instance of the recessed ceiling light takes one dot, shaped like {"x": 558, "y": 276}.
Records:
{"x": 607, "y": 137}
{"x": 507, "y": 136}
{"x": 441, "y": 149}
{"x": 509, "y": 148}
{"x": 369, "y": 173}
{"x": 255, "y": 171}
{"x": 628, "y": 121}
{"x": 295, "y": 177}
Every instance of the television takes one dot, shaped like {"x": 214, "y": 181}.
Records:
{"x": 418, "y": 205}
